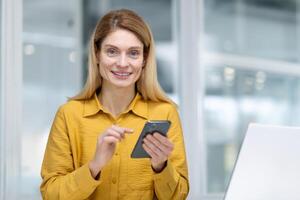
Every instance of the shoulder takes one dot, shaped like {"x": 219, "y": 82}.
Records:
{"x": 162, "y": 108}
{"x": 165, "y": 111}
{"x": 72, "y": 108}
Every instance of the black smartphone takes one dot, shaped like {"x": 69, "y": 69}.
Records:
{"x": 160, "y": 126}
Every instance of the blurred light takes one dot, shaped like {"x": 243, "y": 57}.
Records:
{"x": 72, "y": 57}
{"x": 29, "y": 49}
{"x": 229, "y": 74}
{"x": 260, "y": 77}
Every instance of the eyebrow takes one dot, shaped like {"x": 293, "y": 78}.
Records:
{"x": 134, "y": 47}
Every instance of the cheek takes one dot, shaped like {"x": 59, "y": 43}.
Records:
{"x": 138, "y": 71}
{"x": 138, "y": 65}
{"x": 105, "y": 65}
{"x": 104, "y": 69}
{"x": 106, "y": 61}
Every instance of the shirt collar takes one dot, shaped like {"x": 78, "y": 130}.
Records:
{"x": 138, "y": 106}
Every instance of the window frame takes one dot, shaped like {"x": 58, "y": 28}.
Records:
{"x": 193, "y": 61}
{"x": 10, "y": 94}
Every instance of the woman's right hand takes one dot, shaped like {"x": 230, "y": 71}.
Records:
{"x": 106, "y": 145}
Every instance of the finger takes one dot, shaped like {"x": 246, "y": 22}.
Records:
{"x": 128, "y": 130}
{"x": 159, "y": 145}
{"x": 164, "y": 143}
{"x": 110, "y": 139}
{"x": 154, "y": 154}
{"x": 163, "y": 140}
{"x": 122, "y": 129}
{"x": 152, "y": 146}
{"x": 118, "y": 130}
{"x": 112, "y": 132}
{"x": 149, "y": 151}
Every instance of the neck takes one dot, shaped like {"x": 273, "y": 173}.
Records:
{"x": 116, "y": 100}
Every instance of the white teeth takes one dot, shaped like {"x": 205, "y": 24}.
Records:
{"x": 121, "y": 73}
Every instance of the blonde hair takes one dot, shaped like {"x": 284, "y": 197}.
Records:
{"x": 147, "y": 85}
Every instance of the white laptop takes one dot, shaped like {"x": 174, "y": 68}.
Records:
{"x": 268, "y": 165}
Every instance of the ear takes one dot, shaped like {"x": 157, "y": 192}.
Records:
{"x": 145, "y": 59}
{"x": 97, "y": 54}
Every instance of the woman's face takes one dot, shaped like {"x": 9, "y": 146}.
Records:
{"x": 121, "y": 59}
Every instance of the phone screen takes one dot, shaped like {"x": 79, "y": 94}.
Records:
{"x": 160, "y": 126}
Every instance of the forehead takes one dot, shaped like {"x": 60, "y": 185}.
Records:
{"x": 122, "y": 38}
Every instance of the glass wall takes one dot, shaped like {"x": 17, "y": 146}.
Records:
{"x": 259, "y": 28}
{"x": 0, "y": 36}
{"x": 254, "y": 76}
{"x": 1, "y": 113}
{"x": 51, "y": 73}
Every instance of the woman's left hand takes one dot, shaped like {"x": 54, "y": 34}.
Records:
{"x": 159, "y": 148}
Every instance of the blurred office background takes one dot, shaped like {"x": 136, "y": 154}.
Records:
{"x": 225, "y": 62}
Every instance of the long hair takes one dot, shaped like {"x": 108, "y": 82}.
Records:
{"x": 147, "y": 84}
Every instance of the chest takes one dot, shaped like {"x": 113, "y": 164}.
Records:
{"x": 90, "y": 129}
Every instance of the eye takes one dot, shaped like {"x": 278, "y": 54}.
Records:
{"x": 134, "y": 53}
{"x": 111, "y": 52}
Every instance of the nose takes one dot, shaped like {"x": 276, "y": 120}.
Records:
{"x": 123, "y": 61}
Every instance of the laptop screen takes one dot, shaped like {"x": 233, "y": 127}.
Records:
{"x": 268, "y": 165}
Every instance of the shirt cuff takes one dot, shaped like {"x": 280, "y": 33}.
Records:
{"x": 85, "y": 181}
{"x": 168, "y": 178}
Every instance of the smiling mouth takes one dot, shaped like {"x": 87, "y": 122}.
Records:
{"x": 121, "y": 74}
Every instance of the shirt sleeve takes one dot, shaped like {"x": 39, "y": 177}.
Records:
{"x": 172, "y": 182}
{"x": 60, "y": 178}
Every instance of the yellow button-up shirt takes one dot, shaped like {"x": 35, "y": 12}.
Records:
{"x": 72, "y": 144}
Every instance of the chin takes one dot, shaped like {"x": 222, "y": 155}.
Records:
{"x": 119, "y": 84}
{"x": 122, "y": 83}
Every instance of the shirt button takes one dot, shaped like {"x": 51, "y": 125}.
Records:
{"x": 116, "y": 154}
{"x": 114, "y": 180}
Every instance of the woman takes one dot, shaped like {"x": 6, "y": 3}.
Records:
{"x": 93, "y": 134}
